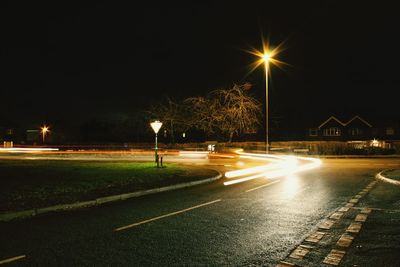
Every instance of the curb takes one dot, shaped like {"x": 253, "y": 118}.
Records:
{"x": 381, "y": 177}
{"x": 98, "y": 201}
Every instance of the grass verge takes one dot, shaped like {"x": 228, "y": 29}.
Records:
{"x": 26, "y": 184}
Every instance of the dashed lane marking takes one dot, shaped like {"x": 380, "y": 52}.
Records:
{"x": 285, "y": 264}
{"x": 300, "y": 252}
{"x": 327, "y": 224}
{"x": 366, "y": 210}
{"x": 12, "y": 259}
{"x": 344, "y": 209}
{"x": 349, "y": 205}
{"x": 353, "y": 200}
{"x": 380, "y": 209}
{"x": 264, "y": 185}
{"x": 354, "y": 228}
{"x": 358, "y": 196}
{"x": 334, "y": 257}
{"x": 361, "y": 217}
{"x": 165, "y": 215}
{"x": 315, "y": 237}
{"x": 345, "y": 240}
{"x": 336, "y": 216}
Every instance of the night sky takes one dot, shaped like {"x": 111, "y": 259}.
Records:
{"x": 75, "y": 61}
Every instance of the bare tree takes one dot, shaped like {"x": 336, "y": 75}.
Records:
{"x": 203, "y": 113}
{"x": 227, "y": 111}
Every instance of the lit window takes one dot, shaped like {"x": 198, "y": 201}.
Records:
{"x": 333, "y": 131}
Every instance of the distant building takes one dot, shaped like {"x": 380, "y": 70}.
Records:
{"x": 336, "y": 130}
{"x": 357, "y": 131}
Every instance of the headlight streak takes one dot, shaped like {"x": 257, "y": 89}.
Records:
{"x": 281, "y": 165}
{"x": 24, "y": 149}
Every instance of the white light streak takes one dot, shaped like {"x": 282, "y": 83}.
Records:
{"x": 25, "y": 149}
{"x": 278, "y": 166}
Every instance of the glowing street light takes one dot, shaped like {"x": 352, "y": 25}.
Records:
{"x": 156, "y": 125}
{"x": 266, "y": 57}
{"x": 44, "y": 131}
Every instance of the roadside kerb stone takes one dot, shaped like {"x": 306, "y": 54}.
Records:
{"x": 381, "y": 176}
{"x": 8, "y": 216}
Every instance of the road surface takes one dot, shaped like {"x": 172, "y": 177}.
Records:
{"x": 260, "y": 222}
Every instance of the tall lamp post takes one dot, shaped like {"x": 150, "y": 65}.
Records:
{"x": 44, "y": 131}
{"x": 156, "y": 125}
{"x": 266, "y": 58}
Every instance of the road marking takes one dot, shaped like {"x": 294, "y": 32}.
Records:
{"x": 300, "y": 252}
{"x": 344, "y": 209}
{"x": 336, "y": 216}
{"x": 361, "y": 217}
{"x": 358, "y": 196}
{"x": 366, "y": 210}
{"x": 165, "y": 215}
{"x": 334, "y": 257}
{"x": 354, "y": 228}
{"x": 345, "y": 240}
{"x": 315, "y": 237}
{"x": 349, "y": 205}
{"x": 264, "y": 185}
{"x": 353, "y": 200}
{"x": 380, "y": 209}
{"x": 12, "y": 259}
{"x": 327, "y": 224}
{"x": 285, "y": 264}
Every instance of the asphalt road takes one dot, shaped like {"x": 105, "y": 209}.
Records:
{"x": 256, "y": 223}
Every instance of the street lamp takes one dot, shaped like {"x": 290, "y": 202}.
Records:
{"x": 156, "y": 125}
{"x": 266, "y": 57}
{"x": 44, "y": 131}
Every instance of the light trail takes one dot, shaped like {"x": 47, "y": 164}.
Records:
{"x": 27, "y": 150}
{"x": 278, "y": 166}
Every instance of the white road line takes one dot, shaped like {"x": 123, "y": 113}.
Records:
{"x": 264, "y": 185}
{"x": 12, "y": 259}
{"x": 165, "y": 215}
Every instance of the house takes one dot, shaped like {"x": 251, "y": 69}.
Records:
{"x": 334, "y": 129}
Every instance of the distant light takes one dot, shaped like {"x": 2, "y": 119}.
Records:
{"x": 45, "y": 129}
{"x": 266, "y": 57}
{"x": 375, "y": 143}
{"x": 184, "y": 135}
{"x": 156, "y": 125}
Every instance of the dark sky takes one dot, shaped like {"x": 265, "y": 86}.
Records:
{"x": 73, "y": 61}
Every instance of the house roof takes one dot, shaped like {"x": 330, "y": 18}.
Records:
{"x": 344, "y": 123}
{"x": 361, "y": 119}
{"x": 328, "y": 120}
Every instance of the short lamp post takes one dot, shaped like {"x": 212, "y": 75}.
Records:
{"x": 156, "y": 125}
